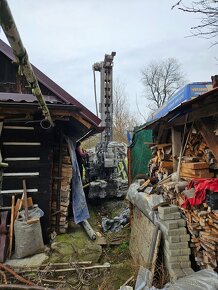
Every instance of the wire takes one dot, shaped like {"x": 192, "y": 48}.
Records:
{"x": 96, "y": 104}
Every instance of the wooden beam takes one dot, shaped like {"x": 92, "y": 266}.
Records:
{"x": 206, "y": 128}
{"x": 81, "y": 120}
{"x": 197, "y": 113}
{"x": 54, "y": 113}
{"x": 18, "y": 128}
{"x": 176, "y": 146}
{"x": 21, "y": 143}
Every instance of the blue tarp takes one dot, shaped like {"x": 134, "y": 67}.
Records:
{"x": 185, "y": 94}
{"x": 79, "y": 205}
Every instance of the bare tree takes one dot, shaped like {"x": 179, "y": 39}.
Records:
{"x": 161, "y": 80}
{"x": 123, "y": 118}
{"x": 208, "y": 10}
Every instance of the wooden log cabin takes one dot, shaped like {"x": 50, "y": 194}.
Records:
{"x": 34, "y": 152}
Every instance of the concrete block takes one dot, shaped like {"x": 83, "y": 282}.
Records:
{"x": 173, "y": 224}
{"x": 177, "y": 252}
{"x": 184, "y": 238}
{"x": 174, "y": 246}
{"x": 178, "y": 265}
{"x": 173, "y": 259}
{"x": 173, "y": 232}
{"x": 170, "y": 216}
{"x": 178, "y": 239}
{"x": 168, "y": 209}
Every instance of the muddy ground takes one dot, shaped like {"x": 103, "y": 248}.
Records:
{"x": 76, "y": 246}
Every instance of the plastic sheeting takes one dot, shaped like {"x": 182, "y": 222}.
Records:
{"x": 201, "y": 280}
{"x": 140, "y": 152}
{"x": 143, "y": 201}
{"x": 79, "y": 205}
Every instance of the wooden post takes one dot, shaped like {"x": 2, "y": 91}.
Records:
{"x": 25, "y": 200}
{"x": 176, "y": 146}
{"x": 11, "y": 225}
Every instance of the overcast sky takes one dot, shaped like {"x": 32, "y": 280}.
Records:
{"x": 65, "y": 37}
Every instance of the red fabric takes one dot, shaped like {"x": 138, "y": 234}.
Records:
{"x": 200, "y": 185}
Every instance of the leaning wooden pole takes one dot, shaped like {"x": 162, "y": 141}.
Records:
{"x": 12, "y": 34}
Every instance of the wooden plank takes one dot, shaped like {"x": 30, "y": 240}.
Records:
{"x": 30, "y": 190}
{"x": 195, "y": 171}
{"x": 20, "y": 135}
{"x": 22, "y": 159}
{"x": 203, "y": 175}
{"x": 26, "y": 166}
{"x": 21, "y": 151}
{"x": 194, "y": 165}
{"x": 21, "y": 143}
{"x": 11, "y": 225}
{"x": 154, "y": 257}
{"x": 3, "y": 235}
{"x": 16, "y": 182}
{"x": 176, "y": 146}
{"x": 18, "y": 128}
{"x": 25, "y": 200}
{"x": 21, "y": 174}
{"x": 142, "y": 231}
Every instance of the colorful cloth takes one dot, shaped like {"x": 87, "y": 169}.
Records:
{"x": 200, "y": 185}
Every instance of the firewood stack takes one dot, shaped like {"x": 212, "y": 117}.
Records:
{"x": 195, "y": 170}
{"x": 170, "y": 189}
{"x": 64, "y": 194}
{"x": 161, "y": 164}
{"x": 202, "y": 223}
{"x": 197, "y": 148}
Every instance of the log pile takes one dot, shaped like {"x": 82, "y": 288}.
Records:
{"x": 197, "y": 147}
{"x": 63, "y": 194}
{"x": 170, "y": 189}
{"x": 202, "y": 223}
{"x": 161, "y": 164}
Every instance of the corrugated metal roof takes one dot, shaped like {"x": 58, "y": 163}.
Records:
{"x": 29, "y": 98}
{"x": 56, "y": 89}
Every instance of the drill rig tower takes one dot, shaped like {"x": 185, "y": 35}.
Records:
{"x": 103, "y": 173}
{"x": 106, "y": 106}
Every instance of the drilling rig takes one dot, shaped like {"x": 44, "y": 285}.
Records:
{"x": 105, "y": 177}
